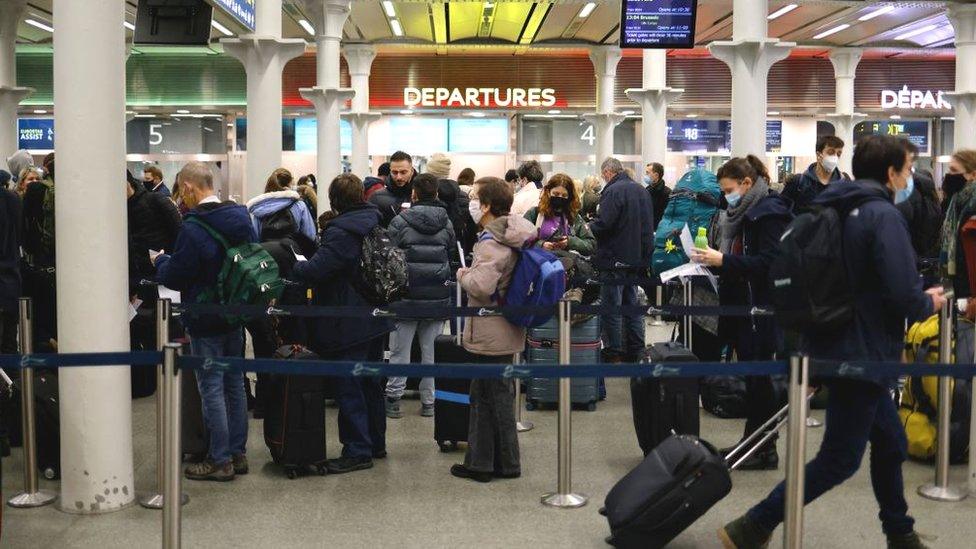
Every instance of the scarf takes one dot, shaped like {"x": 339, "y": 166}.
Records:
{"x": 731, "y": 219}
{"x": 961, "y": 207}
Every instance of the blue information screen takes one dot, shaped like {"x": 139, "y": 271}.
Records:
{"x": 418, "y": 135}
{"x": 241, "y": 10}
{"x": 489, "y": 135}
{"x": 35, "y": 134}
{"x": 306, "y": 135}
{"x": 715, "y": 136}
{"x": 658, "y": 23}
{"x": 916, "y": 131}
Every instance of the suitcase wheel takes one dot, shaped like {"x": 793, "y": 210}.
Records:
{"x": 292, "y": 474}
{"x": 447, "y": 446}
{"x": 591, "y": 407}
{"x": 602, "y": 511}
{"x": 531, "y": 405}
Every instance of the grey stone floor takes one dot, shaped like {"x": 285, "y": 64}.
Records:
{"x": 410, "y": 499}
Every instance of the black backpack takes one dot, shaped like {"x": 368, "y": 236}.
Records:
{"x": 810, "y": 287}
{"x": 279, "y": 225}
{"x": 383, "y": 275}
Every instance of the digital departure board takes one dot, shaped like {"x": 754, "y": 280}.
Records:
{"x": 916, "y": 131}
{"x": 658, "y": 23}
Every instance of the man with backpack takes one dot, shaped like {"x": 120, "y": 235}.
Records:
{"x": 624, "y": 231}
{"x": 396, "y": 195}
{"x": 864, "y": 290}
{"x": 802, "y": 188}
{"x": 193, "y": 268}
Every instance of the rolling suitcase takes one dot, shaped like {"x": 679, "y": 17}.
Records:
{"x": 678, "y": 482}
{"x": 452, "y": 405}
{"x": 294, "y": 420}
{"x": 543, "y": 392}
{"x": 47, "y": 420}
{"x": 193, "y": 433}
{"x": 664, "y": 406}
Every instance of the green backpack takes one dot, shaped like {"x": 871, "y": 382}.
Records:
{"x": 248, "y": 276}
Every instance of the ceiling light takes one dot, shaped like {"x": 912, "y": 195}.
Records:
{"x": 627, "y": 113}
{"x": 388, "y": 8}
{"x": 772, "y": 113}
{"x": 38, "y": 24}
{"x": 230, "y": 124}
{"x": 782, "y": 11}
{"x": 476, "y": 114}
{"x": 834, "y": 30}
{"x": 916, "y": 32}
{"x": 307, "y": 26}
{"x": 397, "y": 29}
{"x": 40, "y": 111}
{"x": 406, "y": 111}
{"x": 128, "y": 25}
{"x": 896, "y": 117}
{"x": 691, "y": 115}
{"x": 587, "y": 10}
{"x": 223, "y": 30}
{"x": 880, "y": 11}
{"x": 145, "y": 116}
{"x": 182, "y": 111}
{"x": 555, "y": 111}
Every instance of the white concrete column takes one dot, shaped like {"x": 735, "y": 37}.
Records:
{"x": 264, "y": 55}
{"x": 359, "y": 58}
{"x": 604, "y": 120}
{"x": 653, "y": 99}
{"x": 749, "y": 55}
{"x": 328, "y": 17}
{"x": 92, "y": 255}
{"x": 963, "y": 99}
{"x": 11, "y": 13}
{"x": 845, "y": 61}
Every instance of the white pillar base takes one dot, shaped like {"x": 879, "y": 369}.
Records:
{"x": 603, "y": 125}
{"x": 327, "y": 102}
{"x": 964, "y": 103}
{"x": 654, "y": 108}
{"x": 844, "y": 129}
{"x": 359, "y": 159}
{"x": 750, "y": 61}
{"x": 10, "y": 98}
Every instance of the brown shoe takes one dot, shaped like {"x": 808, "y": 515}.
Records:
{"x": 208, "y": 470}
{"x": 240, "y": 464}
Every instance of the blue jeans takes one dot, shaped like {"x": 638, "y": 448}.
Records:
{"x": 857, "y": 412}
{"x": 222, "y": 396}
{"x": 362, "y": 411}
{"x": 633, "y": 325}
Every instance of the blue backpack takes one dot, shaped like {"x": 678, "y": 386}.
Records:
{"x": 694, "y": 201}
{"x": 539, "y": 279}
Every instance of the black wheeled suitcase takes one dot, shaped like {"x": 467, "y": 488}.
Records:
{"x": 294, "y": 420}
{"x": 193, "y": 432}
{"x": 47, "y": 419}
{"x": 452, "y": 404}
{"x": 664, "y": 406}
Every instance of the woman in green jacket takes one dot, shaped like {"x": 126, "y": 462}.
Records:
{"x": 557, "y": 219}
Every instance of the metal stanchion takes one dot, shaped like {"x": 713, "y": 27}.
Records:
{"x": 688, "y": 319}
{"x": 940, "y": 489}
{"x": 658, "y": 298}
{"x": 520, "y": 426}
{"x": 32, "y": 496}
{"x": 796, "y": 452}
{"x": 154, "y": 500}
{"x": 172, "y": 477}
{"x": 564, "y": 496}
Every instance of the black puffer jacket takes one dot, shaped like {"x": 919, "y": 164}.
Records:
{"x": 390, "y": 200}
{"x": 153, "y": 222}
{"x": 10, "y": 283}
{"x": 426, "y": 235}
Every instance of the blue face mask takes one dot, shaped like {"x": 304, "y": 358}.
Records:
{"x": 733, "y": 198}
{"x": 647, "y": 180}
{"x": 902, "y": 195}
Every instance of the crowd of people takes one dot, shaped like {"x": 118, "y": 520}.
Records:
{"x": 902, "y": 242}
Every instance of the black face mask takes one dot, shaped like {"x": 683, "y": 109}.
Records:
{"x": 558, "y": 204}
{"x": 953, "y": 183}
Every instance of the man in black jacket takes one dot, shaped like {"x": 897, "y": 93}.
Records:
{"x": 391, "y": 200}
{"x": 658, "y": 189}
{"x": 624, "y": 230}
{"x": 10, "y": 283}
{"x": 923, "y": 212}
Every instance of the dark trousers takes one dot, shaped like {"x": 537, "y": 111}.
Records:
{"x": 763, "y": 399}
{"x": 264, "y": 344}
{"x": 492, "y": 437}
{"x": 857, "y": 413}
{"x": 362, "y": 411}
{"x": 9, "y": 319}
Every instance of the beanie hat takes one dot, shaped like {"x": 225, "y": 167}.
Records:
{"x": 18, "y": 161}
{"x": 439, "y": 165}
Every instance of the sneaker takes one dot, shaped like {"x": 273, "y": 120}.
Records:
{"x": 208, "y": 470}
{"x": 393, "y": 408}
{"x": 905, "y": 541}
{"x": 461, "y": 471}
{"x": 743, "y": 533}
{"x": 427, "y": 410}
{"x": 342, "y": 465}
{"x": 240, "y": 464}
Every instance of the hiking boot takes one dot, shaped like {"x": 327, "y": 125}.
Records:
{"x": 240, "y": 464}
{"x": 427, "y": 410}
{"x": 344, "y": 464}
{"x": 905, "y": 541}
{"x": 744, "y": 533}
{"x": 460, "y": 471}
{"x": 208, "y": 470}
{"x": 393, "y": 408}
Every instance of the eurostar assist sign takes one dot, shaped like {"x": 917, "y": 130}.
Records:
{"x": 479, "y": 97}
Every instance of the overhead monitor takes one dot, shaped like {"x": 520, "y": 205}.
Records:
{"x": 916, "y": 131}
{"x": 173, "y": 22}
{"x": 664, "y": 24}
{"x": 418, "y": 134}
{"x": 478, "y": 135}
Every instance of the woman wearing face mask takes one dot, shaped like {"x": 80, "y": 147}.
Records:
{"x": 557, "y": 218}
{"x": 748, "y": 236}
{"x": 958, "y": 186}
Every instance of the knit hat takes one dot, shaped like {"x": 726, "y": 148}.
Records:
{"x": 18, "y": 161}
{"x": 439, "y": 165}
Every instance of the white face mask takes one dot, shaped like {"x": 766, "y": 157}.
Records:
{"x": 474, "y": 208}
{"x": 830, "y": 163}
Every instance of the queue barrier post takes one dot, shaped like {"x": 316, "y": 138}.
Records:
{"x": 939, "y": 490}
{"x": 658, "y": 299}
{"x": 32, "y": 496}
{"x": 796, "y": 452}
{"x": 172, "y": 477}
{"x": 564, "y": 497}
{"x": 154, "y": 500}
{"x": 520, "y": 426}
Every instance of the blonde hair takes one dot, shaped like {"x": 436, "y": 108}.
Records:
{"x": 591, "y": 183}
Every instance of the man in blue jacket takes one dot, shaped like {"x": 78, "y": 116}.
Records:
{"x": 331, "y": 271}
{"x": 887, "y": 290}
{"x": 624, "y": 231}
{"x": 192, "y": 269}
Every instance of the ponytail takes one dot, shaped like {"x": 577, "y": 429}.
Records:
{"x": 741, "y": 168}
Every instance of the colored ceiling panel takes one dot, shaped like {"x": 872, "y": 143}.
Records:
{"x": 535, "y": 21}
{"x": 415, "y": 18}
{"x": 509, "y": 20}
{"x": 439, "y": 20}
{"x": 465, "y": 19}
